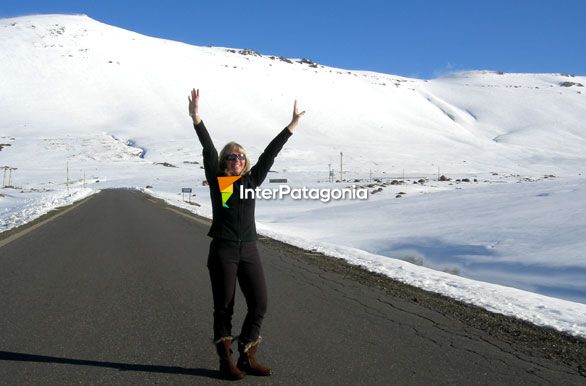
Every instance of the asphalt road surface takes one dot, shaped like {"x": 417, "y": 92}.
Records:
{"x": 116, "y": 291}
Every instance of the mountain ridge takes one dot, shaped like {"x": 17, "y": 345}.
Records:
{"x": 80, "y": 74}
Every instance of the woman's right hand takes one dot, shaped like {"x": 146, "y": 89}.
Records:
{"x": 194, "y": 106}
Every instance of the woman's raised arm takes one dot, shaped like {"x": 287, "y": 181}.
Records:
{"x": 295, "y": 120}
{"x": 210, "y": 154}
{"x": 194, "y": 106}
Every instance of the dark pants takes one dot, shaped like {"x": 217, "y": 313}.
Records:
{"x": 229, "y": 261}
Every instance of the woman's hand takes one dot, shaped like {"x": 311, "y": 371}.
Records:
{"x": 296, "y": 116}
{"x": 194, "y": 106}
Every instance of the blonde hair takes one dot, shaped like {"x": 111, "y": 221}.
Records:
{"x": 228, "y": 148}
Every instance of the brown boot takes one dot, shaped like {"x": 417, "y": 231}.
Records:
{"x": 227, "y": 368}
{"x": 247, "y": 361}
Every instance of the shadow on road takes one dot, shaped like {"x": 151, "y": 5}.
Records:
{"x": 15, "y": 356}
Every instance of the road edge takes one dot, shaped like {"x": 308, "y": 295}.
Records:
{"x": 536, "y": 341}
{"x": 15, "y": 233}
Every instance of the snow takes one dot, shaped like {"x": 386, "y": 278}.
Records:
{"x": 106, "y": 108}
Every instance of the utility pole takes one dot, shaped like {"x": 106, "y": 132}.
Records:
{"x": 341, "y": 169}
{"x": 370, "y": 179}
{"x": 4, "y": 178}
{"x": 9, "y": 170}
{"x": 10, "y": 176}
{"x": 330, "y": 174}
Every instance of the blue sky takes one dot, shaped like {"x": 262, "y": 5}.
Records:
{"x": 410, "y": 37}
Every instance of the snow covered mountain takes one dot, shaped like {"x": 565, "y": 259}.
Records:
{"x": 86, "y": 106}
{"x": 75, "y": 74}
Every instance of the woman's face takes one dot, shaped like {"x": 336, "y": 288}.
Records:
{"x": 235, "y": 162}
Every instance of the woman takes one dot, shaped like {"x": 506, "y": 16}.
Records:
{"x": 233, "y": 254}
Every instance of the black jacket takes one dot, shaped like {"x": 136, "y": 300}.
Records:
{"x": 236, "y": 222}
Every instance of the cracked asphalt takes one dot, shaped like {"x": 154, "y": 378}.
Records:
{"x": 115, "y": 291}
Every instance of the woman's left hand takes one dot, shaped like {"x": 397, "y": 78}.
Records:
{"x": 295, "y": 119}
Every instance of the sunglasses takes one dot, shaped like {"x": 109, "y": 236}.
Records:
{"x": 234, "y": 156}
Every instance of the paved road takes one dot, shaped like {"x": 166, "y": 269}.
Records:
{"x": 116, "y": 291}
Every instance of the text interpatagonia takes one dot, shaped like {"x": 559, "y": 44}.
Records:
{"x": 304, "y": 193}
